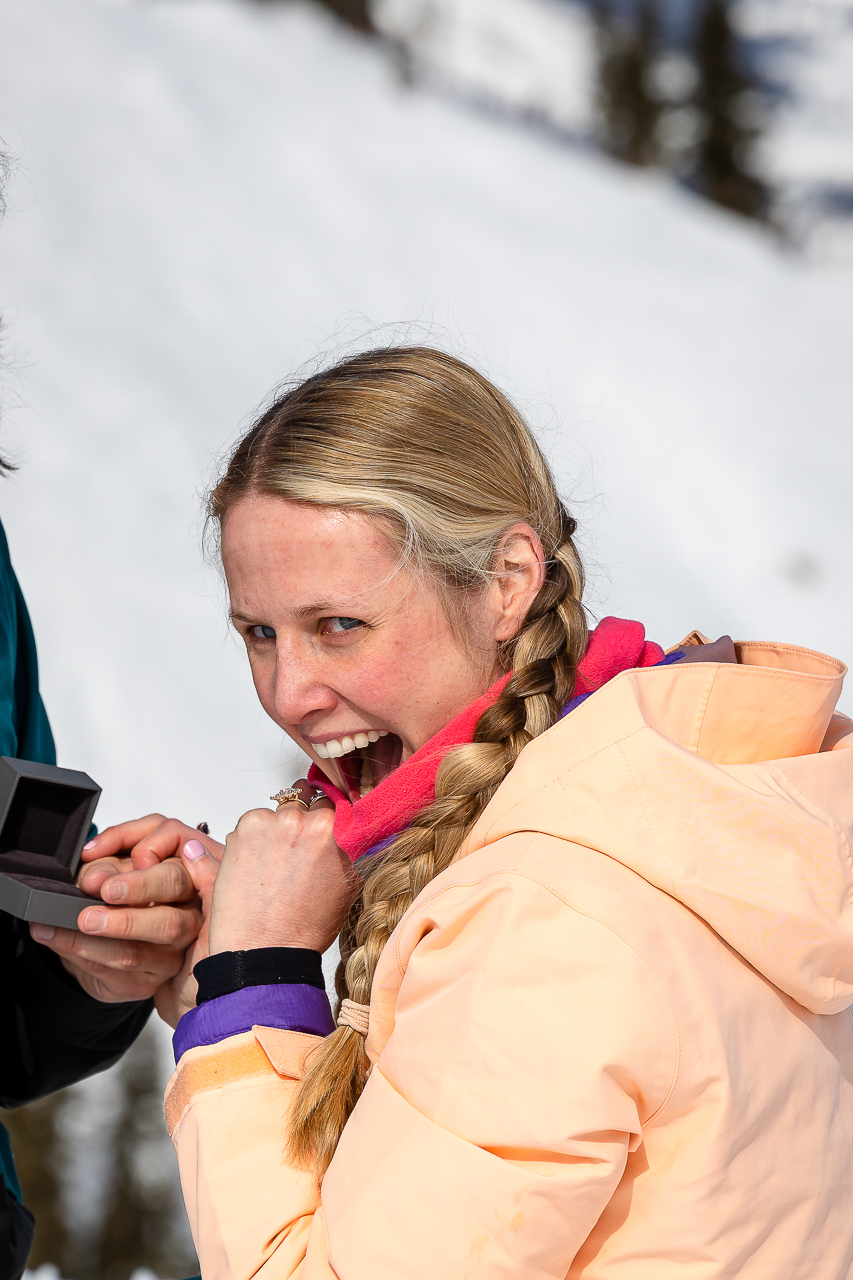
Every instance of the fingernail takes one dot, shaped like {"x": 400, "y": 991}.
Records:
{"x": 90, "y": 844}
{"x": 42, "y": 932}
{"x": 194, "y": 849}
{"x": 94, "y": 921}
{"x": 114, "y": 890}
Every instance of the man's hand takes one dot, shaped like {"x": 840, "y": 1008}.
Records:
{"x": 145, "y": 946}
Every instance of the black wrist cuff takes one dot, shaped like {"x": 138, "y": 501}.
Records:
{"x": 229, "y": 971}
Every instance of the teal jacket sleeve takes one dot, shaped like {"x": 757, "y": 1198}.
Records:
{"x": 24, "y": 726}
{"x": 53, "y": 1032}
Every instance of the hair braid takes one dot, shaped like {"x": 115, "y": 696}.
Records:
{"x": 545, "y": 656}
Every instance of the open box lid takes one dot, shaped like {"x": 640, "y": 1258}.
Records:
{"x": 45, "y": 816}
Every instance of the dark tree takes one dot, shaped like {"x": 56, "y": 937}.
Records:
{"x": 140, "y": 1223}
{"x": 725, "y": 96}
{"x": 356, "y": 13}
{"x": 138, "y": 1228}
{"x": 628, "y": 108}
{"x": 37, "y": 1144}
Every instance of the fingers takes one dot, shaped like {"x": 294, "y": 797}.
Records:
{"x": 111, "y": 969}
{"x": 173, "y": 926}
{"x": 289, "y": 826}
{"x": 123, "y": 836}
{"x": 283, "y": 881}
{"x": 93, "y": 875}
{"x": 166, "y": 842}
{"x": 168, "y": 881}
{"x": 201, "y": 866}
{"x": 150, "y": 840}
{"x": 313, "y": 797}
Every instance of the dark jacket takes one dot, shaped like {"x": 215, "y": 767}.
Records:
{"x": 53, "y": 1033}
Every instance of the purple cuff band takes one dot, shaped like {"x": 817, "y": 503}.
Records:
{"x": 295, "y": 1007}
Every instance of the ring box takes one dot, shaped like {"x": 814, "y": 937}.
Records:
{"x": 45, "y": 817}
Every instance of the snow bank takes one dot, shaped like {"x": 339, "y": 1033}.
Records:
{"x": 209, "y": 192}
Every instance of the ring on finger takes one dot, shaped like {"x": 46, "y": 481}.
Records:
{"x": 318, "y": 795}
{"x": 289, "y": 796}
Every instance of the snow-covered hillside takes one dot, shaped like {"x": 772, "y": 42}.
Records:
{"x": 538, "y": 59}
{"x": 209, "y": 192}
{"x": 533, "y": 57}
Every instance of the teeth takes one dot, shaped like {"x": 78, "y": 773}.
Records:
{"x": 337, "y": 747}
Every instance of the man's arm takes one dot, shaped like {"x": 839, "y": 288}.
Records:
{"x": 54, "y": 1032}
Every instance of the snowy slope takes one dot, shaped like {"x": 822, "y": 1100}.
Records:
{"x": 210, "y": 190}
{"x": 533, "y": 57}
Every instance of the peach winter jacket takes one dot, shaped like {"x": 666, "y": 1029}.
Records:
{"x": 613, "y": 1040}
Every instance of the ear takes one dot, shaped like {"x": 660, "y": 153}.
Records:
{"x": 519, "y": 568}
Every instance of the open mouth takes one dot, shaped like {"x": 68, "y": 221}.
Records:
{"x": 364, "y": 760}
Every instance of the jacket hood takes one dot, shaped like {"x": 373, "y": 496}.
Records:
{"x": 727, "y": 786}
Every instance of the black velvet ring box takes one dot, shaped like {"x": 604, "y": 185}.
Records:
{"x": 45, "y": 816}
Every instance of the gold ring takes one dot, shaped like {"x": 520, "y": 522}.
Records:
{"x": 287, "y": 797}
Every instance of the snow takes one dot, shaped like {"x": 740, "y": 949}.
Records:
{"x": 536, "y": 57}
{"x": 210, "y": 194}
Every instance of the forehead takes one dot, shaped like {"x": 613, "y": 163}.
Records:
{"x": 300, "y": 553}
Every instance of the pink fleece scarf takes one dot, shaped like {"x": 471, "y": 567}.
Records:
{"x": 614, "y": 646}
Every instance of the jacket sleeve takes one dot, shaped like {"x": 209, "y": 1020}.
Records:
{"x": 529, "y": 1045}
{"x": 55, "y": 1033}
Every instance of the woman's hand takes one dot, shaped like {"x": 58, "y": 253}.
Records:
{"x": 136, "y": 949}
{"x": 177, "y": 997}
{"x": 283, "y": 881}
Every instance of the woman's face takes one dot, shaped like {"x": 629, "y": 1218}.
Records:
{"x": 350, "y": 654}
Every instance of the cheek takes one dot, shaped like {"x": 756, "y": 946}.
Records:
{"x": 263, "y": 678}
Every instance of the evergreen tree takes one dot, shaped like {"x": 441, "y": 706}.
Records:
{"x": 141, "y": 1223}
{"x": 723, "y": 97}
{"x": 356, "y": 13}
{"x": 628, "y": 107}
{"x": 138, "y": 1229}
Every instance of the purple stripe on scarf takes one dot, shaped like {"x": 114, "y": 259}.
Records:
{"x": 675, "y": 656}
{"x": 288, "y": 1006}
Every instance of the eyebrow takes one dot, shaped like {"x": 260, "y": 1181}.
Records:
{"x": 304, "y": 611}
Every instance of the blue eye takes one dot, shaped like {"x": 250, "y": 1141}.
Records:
{"x": 263, "y": 633}
{"x": 337, "y": 625}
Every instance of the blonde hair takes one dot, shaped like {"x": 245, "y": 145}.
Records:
{"x": 422, "y": 442}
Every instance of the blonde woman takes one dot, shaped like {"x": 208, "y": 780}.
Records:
{"x": 595, "y": 903}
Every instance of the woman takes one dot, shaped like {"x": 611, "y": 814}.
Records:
{"x": 598, "y": 969}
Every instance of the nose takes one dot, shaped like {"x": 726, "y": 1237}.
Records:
{"x": 300, "y": 691}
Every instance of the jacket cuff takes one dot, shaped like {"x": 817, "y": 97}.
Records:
{"x": 227, "y": 971}
{"x": 296, "y": 1007}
